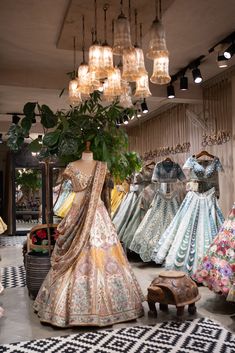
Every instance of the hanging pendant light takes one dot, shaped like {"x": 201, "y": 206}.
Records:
{"x": 107, "y": 50}
{"x": 122, "y": 34}
{"x": 130, "y": 69}
{"x": 74, "y": 94}
{"x": 96, "y": 54}
{"x": 160, "y": 74}
{"x": 157, "y": 50}
{"x": 142, "y": 82}
{"x": 125, "y": 100}
{"x": 112, "y": 86}
{"x": 84, "y": 80}
{"x": 142, "y": 87}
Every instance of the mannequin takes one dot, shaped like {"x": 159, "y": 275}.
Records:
{"x": 90, "y": 282}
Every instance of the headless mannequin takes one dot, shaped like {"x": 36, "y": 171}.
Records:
{"x": 86, "y": 165}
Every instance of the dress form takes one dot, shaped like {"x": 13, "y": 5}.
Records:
{"x": 86, "y": 164}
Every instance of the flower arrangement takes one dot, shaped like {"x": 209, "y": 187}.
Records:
{"x": 39, "y": 238}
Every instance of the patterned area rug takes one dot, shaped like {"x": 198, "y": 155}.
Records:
{"x": 12, "y": 240}
{"x": 197, "y": 336}
{"x": 13, "y": 276}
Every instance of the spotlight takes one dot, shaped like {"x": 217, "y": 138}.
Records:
{"x": 228, "y": 53}
{"x": 222, "y": 61}
{"x": 138, "y": 113}
{"x": 125, "y": 119}
{"x": 183, "y": 83}
{"x": 144, "y": 107}
{"x": 1, "y": 140}
{"x": 118, "y": 122}
{"x": 170, "y": 91}
{"x": 197, "y": 75}
{"x": 15, "y": 119}
{"x": 133, "y": 116}
{"x": 40, "y": 139}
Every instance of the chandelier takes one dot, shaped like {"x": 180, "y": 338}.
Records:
{"x": 101, "y": 72}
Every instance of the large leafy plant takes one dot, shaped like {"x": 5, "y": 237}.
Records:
{"x": 65, "y": 134}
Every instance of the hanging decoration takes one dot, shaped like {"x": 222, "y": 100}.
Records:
{"x": 101, "y": 74}
{"x": 74, "y": 94}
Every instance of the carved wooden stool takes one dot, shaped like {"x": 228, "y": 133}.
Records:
{"x": 175, "y": 288}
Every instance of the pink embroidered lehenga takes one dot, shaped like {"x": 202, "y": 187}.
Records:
{"x": 90, "y": 281}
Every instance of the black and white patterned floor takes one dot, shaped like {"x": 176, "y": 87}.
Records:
{"x": 197, "y": 336}
{"x": 12, "y": 240}
{"x": 13, "y": 276}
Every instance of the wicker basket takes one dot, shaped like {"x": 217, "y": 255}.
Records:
{"x": 37, "y": 264}
{"x": 37, "y": 268}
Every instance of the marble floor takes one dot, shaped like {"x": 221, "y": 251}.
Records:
{"x": 20, "y": 322}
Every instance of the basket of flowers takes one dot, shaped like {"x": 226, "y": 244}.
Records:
{"x": 40, "y": 243}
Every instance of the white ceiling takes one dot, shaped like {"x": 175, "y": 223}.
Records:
{"x": 32, "y": 68}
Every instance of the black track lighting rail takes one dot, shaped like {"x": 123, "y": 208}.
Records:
{"x": 227, "y": 40}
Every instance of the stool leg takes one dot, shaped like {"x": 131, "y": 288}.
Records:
{"x": 180, "y": 312}
{"x": 163, "y": 307}
{"x": 192, "y": 309}
{"x": 152, "y": 308}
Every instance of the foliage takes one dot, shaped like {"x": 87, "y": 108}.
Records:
{"x": 65, "y": 134}
{"x": 29, "y": 179}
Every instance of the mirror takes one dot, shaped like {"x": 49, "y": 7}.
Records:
{"x": 28, "y": 198}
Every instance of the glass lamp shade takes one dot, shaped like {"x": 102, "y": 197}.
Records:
{"x": 142, "y": 87}
{"x": 96, "y": 64}
{"x": 74, "y": 94}
{"x": 157, "y": 40}
{"x": 122, "y": 35}
{"x": 112, "y": 86}
{"x": 84, "y": 81}
{"x": 160, "y": 74}
{"x": 130, "y": 70}
{"x": 140, "y": 62}
{"x": 107, "y": 59}
{"x": 125, "y": 101}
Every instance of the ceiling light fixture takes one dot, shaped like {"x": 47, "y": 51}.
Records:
{"x": 40, "y": 139}
{"x": 183, "y": 83}
{"x": 230, "y": 51}
{"x": 1, "y": 140}
{"x": 170, "y": 91}
{"x": 126, "y": 119}
{"x": 122, "y": 33}
{"x": 15, "y": 119}
{"x": 197, "y": 76}
{"x": 222, "y": 62}
{"x": 144, "y": 107}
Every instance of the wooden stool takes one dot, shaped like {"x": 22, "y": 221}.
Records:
{"x": 173, "y": 288}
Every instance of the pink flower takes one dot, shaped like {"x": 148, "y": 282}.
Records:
{"x": 204, "y": 273}
{"x": 34, "y": 239}
{"x": 42, "y": 234}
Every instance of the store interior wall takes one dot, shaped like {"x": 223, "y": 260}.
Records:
{"x": 187, "y": 123}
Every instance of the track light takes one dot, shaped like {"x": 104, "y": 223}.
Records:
{"x": 183, "y": 83}
{"x": 40, "y": 139}
{"x": 197, "y": 75}
{"x": 228, "y": 53}
{"x": 222, "y": 61}
{"x": 125, "y": 119}
{"x": 170, "y": 91}
{"x": 15, "y": 119}
{"x": 1, "y": 140}
{"x": 144, "y": 107}
{"x": 138, "y": 113}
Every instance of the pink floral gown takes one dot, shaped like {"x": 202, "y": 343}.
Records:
{"x": 90, "y": 281}
{"x": 217, "y": 268}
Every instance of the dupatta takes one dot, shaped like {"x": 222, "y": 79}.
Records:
{"x": 70, "y": 244}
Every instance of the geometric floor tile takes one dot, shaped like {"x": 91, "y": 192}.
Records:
{"x": 196, "y": 336}
{"x": 13, "y": 276}
{"x": 12, "y": 240}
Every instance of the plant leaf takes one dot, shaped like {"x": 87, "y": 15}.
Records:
{"x": 48, "y": 118}
{"x": 51, "y": 138}
{"x": 29, "y": 109}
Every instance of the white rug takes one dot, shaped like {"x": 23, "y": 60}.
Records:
{"x": 196, "y": 336}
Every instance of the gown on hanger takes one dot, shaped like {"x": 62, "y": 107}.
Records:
{"x": 161, "y": 212}
{"x": 195, "y": 224}
{"x": 217, "y": 269}
{"x": 90, "y": 282}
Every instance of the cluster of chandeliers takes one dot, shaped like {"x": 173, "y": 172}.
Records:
{"x": 114, "y": 81}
